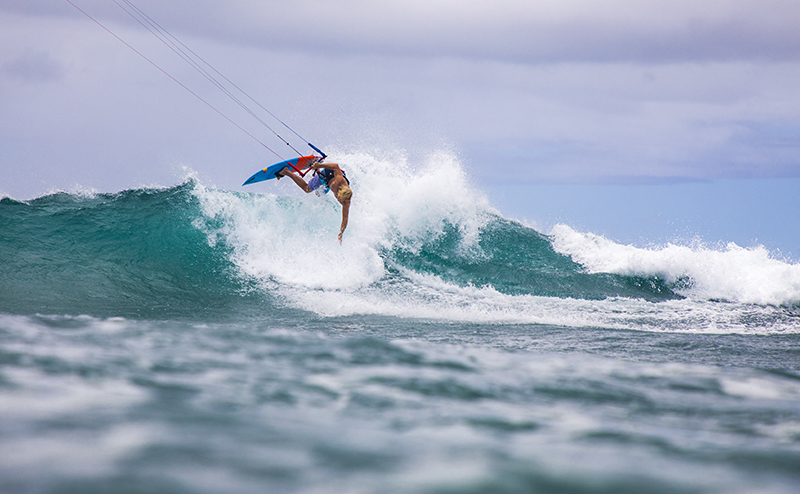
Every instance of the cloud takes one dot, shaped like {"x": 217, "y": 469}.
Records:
{"x": 535, "y": 32}
{"x": 579, "y": 91}
{"x": 520, "y": 31}
{"x": 33, "y": 66}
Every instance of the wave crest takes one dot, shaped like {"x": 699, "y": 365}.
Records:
{"x": 733, "y": 273}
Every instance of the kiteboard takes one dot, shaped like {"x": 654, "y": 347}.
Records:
{"x": 268, "y": 173}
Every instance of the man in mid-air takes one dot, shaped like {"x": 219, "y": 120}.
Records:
{"x": 330, "y": 176}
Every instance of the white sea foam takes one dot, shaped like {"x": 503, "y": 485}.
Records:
{"x": 733, "y": 273}
{"x": 287, "y": 241}
{"x": 293, "y": 239}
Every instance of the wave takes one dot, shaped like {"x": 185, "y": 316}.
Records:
{"x": 422, "y": 242}
{"x": 133, "y": 253}
{"x": 732, "y": 273}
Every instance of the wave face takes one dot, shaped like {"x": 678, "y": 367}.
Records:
{"x": 420, "y": 244}
{"x": 133, "y": 254}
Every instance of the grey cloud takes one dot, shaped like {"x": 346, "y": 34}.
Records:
{"x": 45, "y": 8}
{"x": 506, "y": 30}
{"x": 33, "y": 67}
{"x": 523, "y": 34}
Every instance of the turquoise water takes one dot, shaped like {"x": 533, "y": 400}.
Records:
{"x": 189, "y": 339}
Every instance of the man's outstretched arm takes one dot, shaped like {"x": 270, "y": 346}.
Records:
{"x": 345, "y": 214}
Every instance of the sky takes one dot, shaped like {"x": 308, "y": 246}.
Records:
{"x": 646, "y": 122}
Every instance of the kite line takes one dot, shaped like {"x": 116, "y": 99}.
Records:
{"x": 203, "y": 67}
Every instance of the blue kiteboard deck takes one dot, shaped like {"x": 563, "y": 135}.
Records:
{"x": 268, "y": 173}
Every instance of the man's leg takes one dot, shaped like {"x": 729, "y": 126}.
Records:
{"x": 286, "y": 172}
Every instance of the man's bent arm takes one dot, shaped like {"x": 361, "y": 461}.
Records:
{"x": 329, "y": 166}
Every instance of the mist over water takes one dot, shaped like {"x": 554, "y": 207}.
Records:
{"x": 190, "y": 339}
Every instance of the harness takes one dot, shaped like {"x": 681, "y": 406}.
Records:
{"x": 326, "y": 175}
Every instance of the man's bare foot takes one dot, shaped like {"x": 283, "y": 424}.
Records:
{"x": 283, "y": 172}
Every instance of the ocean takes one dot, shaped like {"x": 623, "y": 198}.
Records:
{"x": 189, "y": 339}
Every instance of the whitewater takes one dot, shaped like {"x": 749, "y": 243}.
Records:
{"x": 192, "y": 339}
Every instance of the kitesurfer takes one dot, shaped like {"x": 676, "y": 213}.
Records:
{"x": 330, "y": 176}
